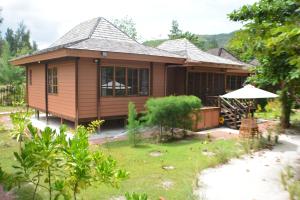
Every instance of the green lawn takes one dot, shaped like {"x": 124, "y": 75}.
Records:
{"x": 295, "y": 117}
{"x": 146, "y": 172}
{"x": 9, "y": 108}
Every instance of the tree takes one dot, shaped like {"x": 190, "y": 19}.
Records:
{"x": 9, "y": 75}
{"x": 274, "y": 38}
{"x": 241, "y": 45}
{"x": 171, "y": 112}
{"x": 127, "y": 25}
{"x": 133, "y": 125}
{"x": 176, "y": 33}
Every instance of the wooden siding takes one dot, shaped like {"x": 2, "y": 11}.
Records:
{"x": 158, "y": 78}
{"x": 87, "y": 88}
{"x": 209, "y": 118}
{"x": 64, "y": 101}
{"x": 36, "y": 91}
{"x": 118, "y": 106}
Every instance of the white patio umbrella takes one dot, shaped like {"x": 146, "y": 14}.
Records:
{"x": 249, "y": 92}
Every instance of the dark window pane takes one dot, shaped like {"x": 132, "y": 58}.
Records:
{"x": 132, "y": 81}
{"x": 120, "y": 83}
{"x": 144, "y": 82}
{"x": 107, "y": 81}
{"x": 52, "y": 81}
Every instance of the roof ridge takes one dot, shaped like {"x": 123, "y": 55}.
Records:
{"x": 95, "y": 26}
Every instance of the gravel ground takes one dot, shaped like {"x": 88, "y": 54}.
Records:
{"x": 254, "y": 177}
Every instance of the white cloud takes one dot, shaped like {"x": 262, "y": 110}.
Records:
{"x": 48, "y": 20}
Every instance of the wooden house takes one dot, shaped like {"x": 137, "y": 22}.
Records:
{"x": 95, "y": 69}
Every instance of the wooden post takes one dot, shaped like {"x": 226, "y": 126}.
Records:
{"x": 76, "y": 92}
{"x": 151, "y": 79}
{"x": 46, "y": 91}
{"x": 166, "y": 78}
{"x": 38, "y": 114}
{"x": 26, "y": 95}
{"x": 98, "y": 74}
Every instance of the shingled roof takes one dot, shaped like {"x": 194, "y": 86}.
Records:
{"x": 224, "y": 53}
{"x": 192, "y": 53}
{"x": 99, "y": 34}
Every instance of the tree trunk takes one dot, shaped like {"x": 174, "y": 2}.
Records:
{"x": 286, "y": 108}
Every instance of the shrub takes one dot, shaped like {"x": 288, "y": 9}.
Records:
{"x": 62, "y": 166}
{"x": 135, "y": 196}
{"x": 133, "y": 125}
{"x": 171, "y": 112}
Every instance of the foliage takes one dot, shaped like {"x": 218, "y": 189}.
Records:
{"x": 6, "y": 180}
{"x": 133, "y": 125}
{"x": 210, "y": 41}
{"x": 15, "y": 43}
{"x": 63, "y": 167}
{"x": 171, "y": 112}
{"x": 272, "y": 110}
{"x": 127, "y": 25}
{"x": 144, "y": 170}
{"x": 9, "y": 74}
{"x": 272, "y": 33}
{"x": 290, "y": 183}
{"x": 20, "y": 121}
{"x": 241, "y": 45}
{"x": 94, "y": 125}
{"x": 176, "y": 33}
{"x": 154, "y": 43}
{"x": 135, "y": 196}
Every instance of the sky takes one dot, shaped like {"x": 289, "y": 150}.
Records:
{"x": 50, "y": 19}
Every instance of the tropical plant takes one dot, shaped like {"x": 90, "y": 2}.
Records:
{"x": 171, "y": 112}
{"x": 63, "y": 166}
{"x": 136, "y": 196}
{"x": 20, "y": 121}
{"x": 133, "y": 125}
{"x": 272, "y": 34}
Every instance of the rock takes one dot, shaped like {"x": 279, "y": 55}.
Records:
{"x": 168, "y": 167}
{"x": 155, "y": 153}
{"x": 208, "y": 153}
{"x": 167, "y": 184}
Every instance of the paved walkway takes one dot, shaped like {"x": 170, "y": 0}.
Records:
{"x": 255, "y": 177}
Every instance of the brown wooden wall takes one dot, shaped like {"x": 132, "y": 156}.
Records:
{"x": 112, "y": 106}
{"x": 36, "y": 91}
{"x": 63, "y": 103}
{"x": 87, "y": 88}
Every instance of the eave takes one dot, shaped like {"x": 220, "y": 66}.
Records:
{"x": 67, "y": 52}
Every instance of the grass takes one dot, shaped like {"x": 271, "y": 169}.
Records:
{"x": 9, "y": 108}
{"x": 295, "y": 117}
{"x": 146, "y": 172}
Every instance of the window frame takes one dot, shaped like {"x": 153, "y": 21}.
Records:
{"x": 126, "y": 81}
{"x": 50, "y": 81}
{"x": 30, "y": 76}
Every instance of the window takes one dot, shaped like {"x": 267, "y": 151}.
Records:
{"x": 235, "y": 82}
{"x": 120, "y": 81}
{"x": 30, "y": 77}
{"x": 144, "y": 82}
{"x": 132, "y": 81}
{"x": 52, "y": 81}
{"x": 123, "y": 81}
{"x": 107, "y": 74}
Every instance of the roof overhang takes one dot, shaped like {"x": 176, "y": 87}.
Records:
{"x": 67, "y": 52}
{"x": 228, "y": 67}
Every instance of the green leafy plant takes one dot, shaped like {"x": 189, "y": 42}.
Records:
{"x": 20, "y": 121}
{"x": 171, "y": 112}
{"x": 133, "y": 125}
{"x": 62, "y": 166}
{"x": 290, "y": 183}
{"x": 135, "y": 196}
